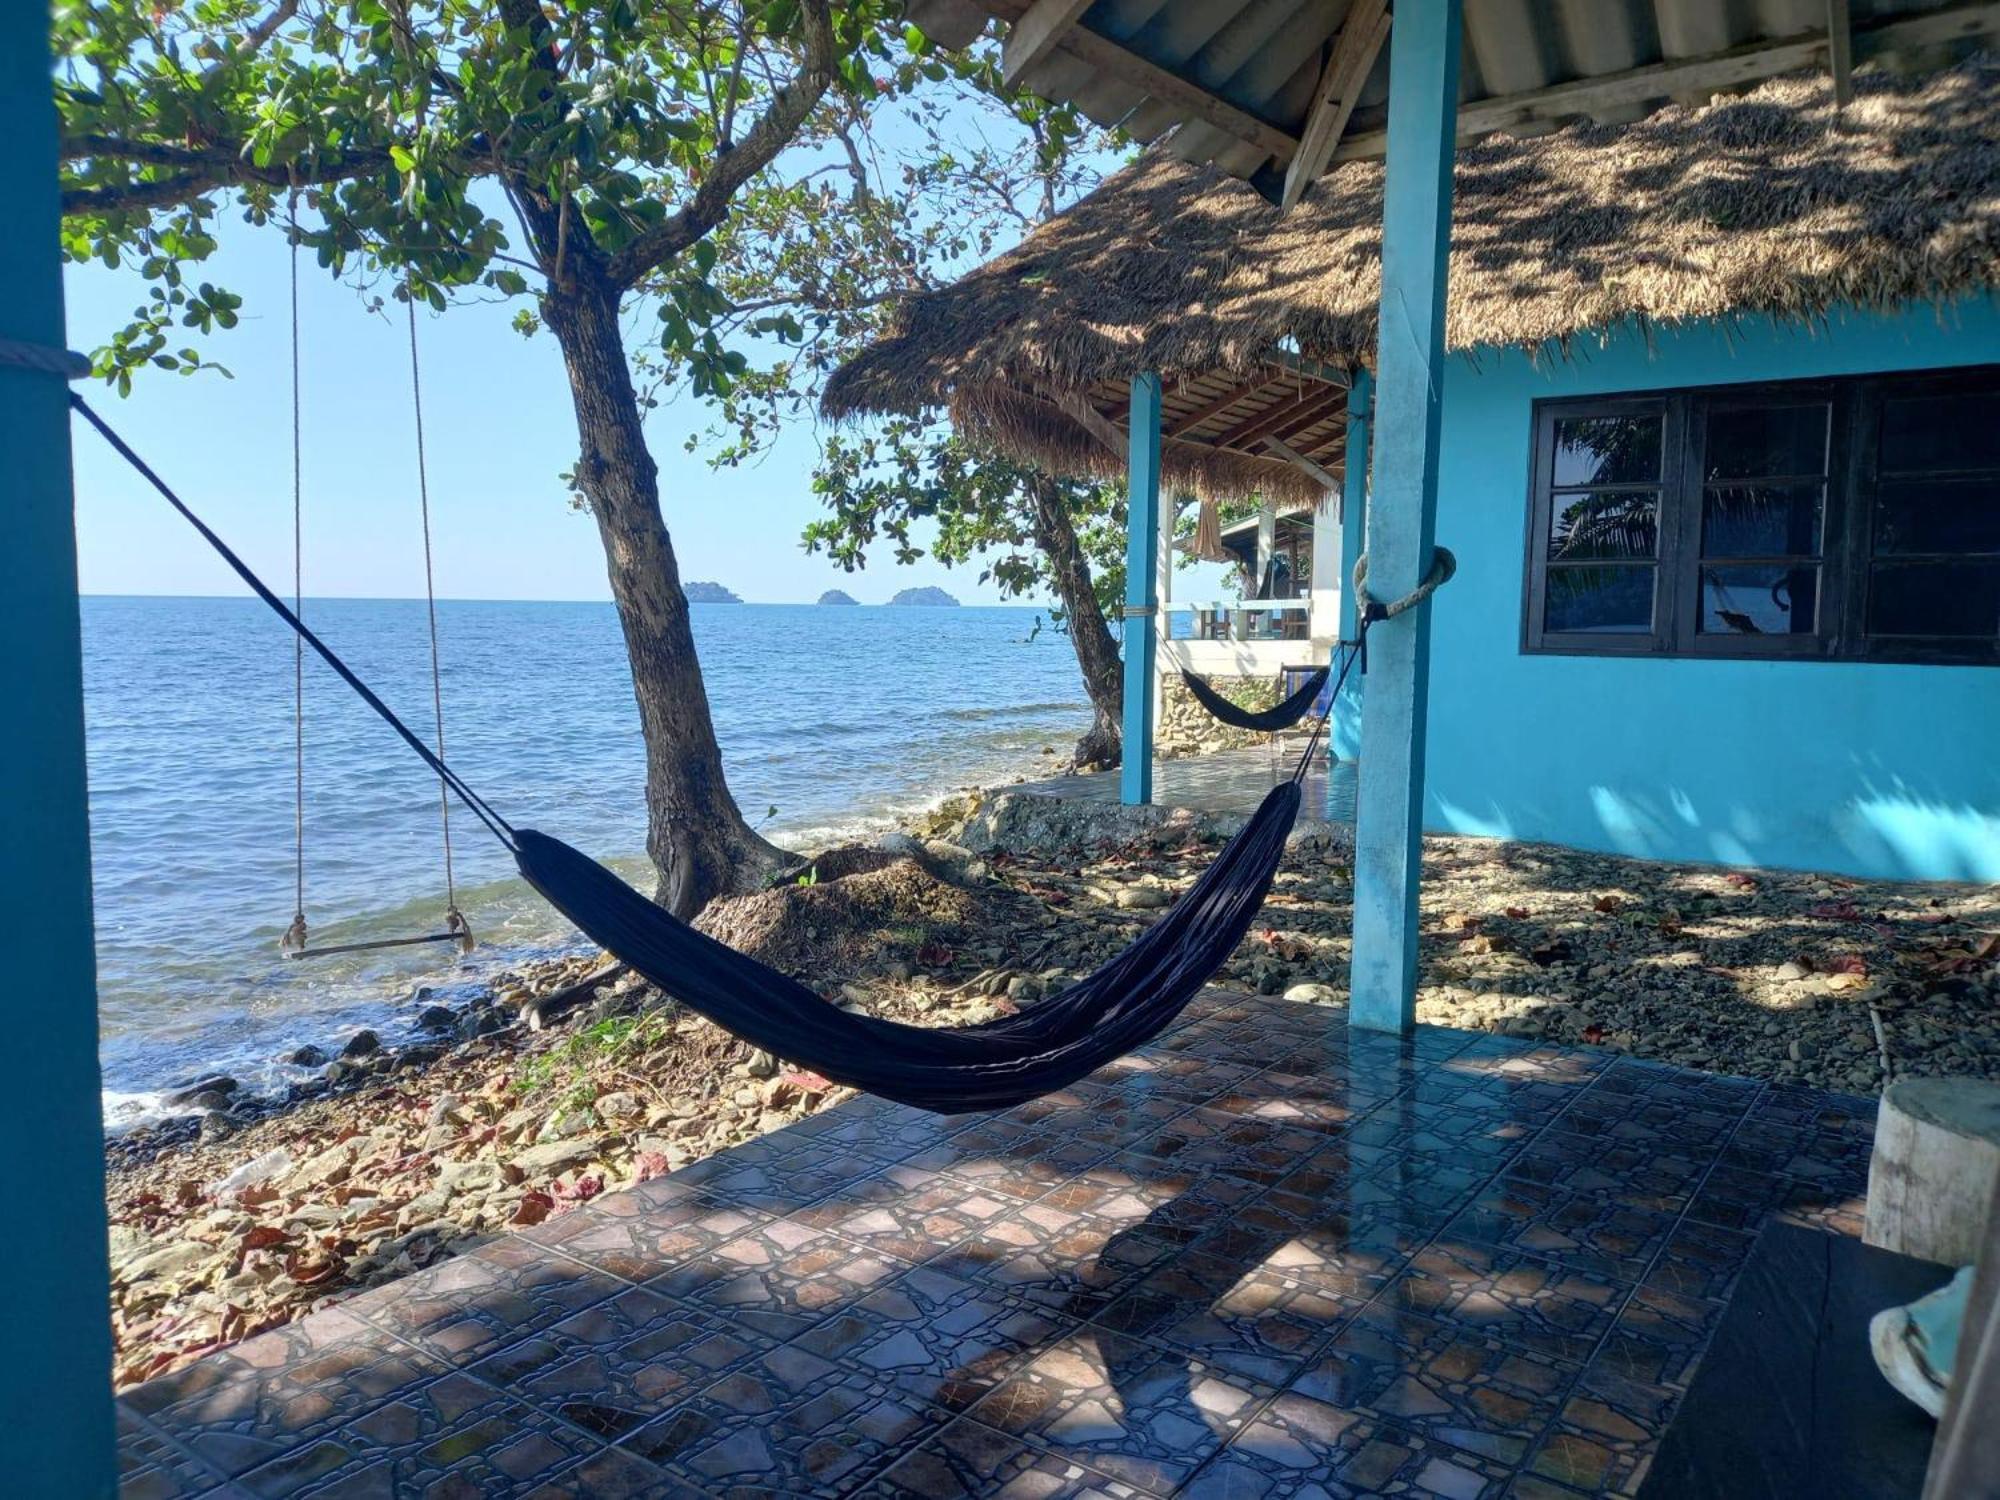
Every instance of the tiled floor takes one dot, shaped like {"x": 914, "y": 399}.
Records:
{"x": 1230, "y": 781}
{"x": 1266, "y": 1257}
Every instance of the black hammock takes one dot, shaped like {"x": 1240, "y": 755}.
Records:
{"x": 1281, "y": 716}
{"x": 993, "y": 1065}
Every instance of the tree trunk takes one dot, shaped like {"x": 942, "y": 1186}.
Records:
{"x": 1096, "y": 648}
{"x": 698, "y": 840}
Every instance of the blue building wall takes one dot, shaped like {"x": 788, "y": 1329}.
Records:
{"x": 1864, "y": 768}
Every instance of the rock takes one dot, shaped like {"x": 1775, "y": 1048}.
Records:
{"x": 902, "y": 970}
{"x": 476, "y": 1176}
{"x": 1313, "y": 994}
{"x": 343, "y": 1073}
{"x": 436, "y": 1018}
{"x": 216, "y": 1087}
{"x": 1803, "y": 1049}
{"x": 308, "y": 1056}
{"x": 552, "y": 1157}
{"x": 1024, "y": 987}
{"x": 171, "y": 1261}
{"x": 762, "y": 1064}
{"x": 620, "y": 1105}
{"x": 362, "y": 1044}
{"x": 1139, "y": 898}
{"x": 217, "y": 1126}
{"x": 330, "y": 1166}
{"x": 1273, "y": 979}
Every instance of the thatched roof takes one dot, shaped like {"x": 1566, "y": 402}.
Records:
{"x": 1769, "y": 203}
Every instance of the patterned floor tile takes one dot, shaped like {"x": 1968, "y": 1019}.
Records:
{"x": 970, "y": 1461}
{"x": 781, "y": 1183}
{"x": 909, "y": 1213}
{"x": 1013, "y": 1160}
{"x": 948, "y": 1339}
{"x": 790, "y": 1423}
{"x": 1067, "y": 1263}
{"x": 1352, "y": 1256}
{"x": 470, "y": 1306}
{"x": 1300, "y": 1099}
{"x": 614, "y": 1367}
{"x": 1440, "y": 1379}
{"x": 1585, "y": 1231}
{"x": 1652, "y": 1174}
{"x": 1605, "y": 1438}
{"x": 1465, "y": 1135}
{"x": 150, "y": 1467}
{"x": 613, "y": 1474}
{"x": 1254, "y": 1323}
{"x": 1146, "y": 1415}
{"x": 1701, "y": 1260}
{"x": 268, "y": 1394}
{"x": 1131, "y": 1191}
{"x": 1658, "y": 1337}
{"x": 1420, "y": 1189}
{"x": 781, "y": 1279}
{"x": 1301, "y": 1449}
{"x": 1210, "y": 1140}
{"x": 1167, "y": 1075}
{"x": 1529, "y": 1303}
{"x": 455, "y": 1437}
{"x": 636, "y": 1242}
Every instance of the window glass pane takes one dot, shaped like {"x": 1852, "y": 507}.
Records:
{"x": 1622, "y": 449}
{"x": 1759, "y": 601}
{"x": 1945, "y": 430}
{"x": 1938, "y": 515}
{"x": 1761, "y": 520}
{"x": 1617, "y": 598}
{"x": 1935, "y": 598}
{"x": 1749, "y": 442}
{"x": 1604, "y": 523}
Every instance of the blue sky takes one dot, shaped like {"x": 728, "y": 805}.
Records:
{"x": 499, "y": 435}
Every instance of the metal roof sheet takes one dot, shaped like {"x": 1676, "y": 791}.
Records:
{"x": 1528, "y": 66}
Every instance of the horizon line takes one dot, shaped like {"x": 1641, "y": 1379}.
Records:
{"x": 493, "y": 599}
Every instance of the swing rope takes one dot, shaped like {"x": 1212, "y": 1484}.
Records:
{"x": 295, "y": 939}
{"x": 454, "y": 920}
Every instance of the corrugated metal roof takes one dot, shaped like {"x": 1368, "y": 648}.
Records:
{"x": 1528, "y": 66}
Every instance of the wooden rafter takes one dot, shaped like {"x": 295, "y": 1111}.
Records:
{"x": 1319, "y": 473}
{"x": 1036, "y": 34}
{"x": 1090, "y": 419}
{"x": 1279, "y": 413}
{"x": 1220, "y": 404}
{"x": 1347, "y": 68}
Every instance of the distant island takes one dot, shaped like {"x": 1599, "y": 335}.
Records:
{"x": 837, "y": 596}
{"x": 708, "y": 593}
{"x": 930, "y": 596}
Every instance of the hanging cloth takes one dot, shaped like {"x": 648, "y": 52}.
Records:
{"x": 1208, "y": 533}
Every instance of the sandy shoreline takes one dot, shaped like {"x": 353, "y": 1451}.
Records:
{"x": 486, "y": 1124}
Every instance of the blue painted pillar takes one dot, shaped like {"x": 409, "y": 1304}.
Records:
{"x": 1142, "y": 599}
{"x": 1402, "y": 509}
{"x": 56, "y": 1437}
{"x": 1344, "y": 743}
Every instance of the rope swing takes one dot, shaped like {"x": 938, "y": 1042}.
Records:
{"x": 297, "y": 942}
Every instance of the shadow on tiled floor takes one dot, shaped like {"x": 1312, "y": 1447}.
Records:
{"x": 1265, "y": 1257}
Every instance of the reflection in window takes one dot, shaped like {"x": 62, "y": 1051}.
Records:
{"x": 1759, "y": 599}
{"x": 1620, "y": 449}
{"x": 1945, "y": 598}
{"x": 1605, "y": 524}
{"x": 1613, "y": 599}
{"x": 1766, "y": 442}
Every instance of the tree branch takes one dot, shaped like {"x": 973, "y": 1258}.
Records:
{"x": 790, "y": 107}
{"x": 204, "y": 169}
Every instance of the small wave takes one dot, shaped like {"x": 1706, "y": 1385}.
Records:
{"x": 975, "y": 713}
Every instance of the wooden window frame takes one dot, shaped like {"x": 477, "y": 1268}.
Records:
{"x": 1846, "y": 527}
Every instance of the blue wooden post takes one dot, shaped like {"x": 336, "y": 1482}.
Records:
{"x": 55, "y": 1355}
{"x": 1142, "y": 602}
{"x": 1402, "y": 509}
{"x": 1344, "y": 743}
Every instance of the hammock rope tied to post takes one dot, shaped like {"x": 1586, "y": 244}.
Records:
{"x": 992, "y": 1065}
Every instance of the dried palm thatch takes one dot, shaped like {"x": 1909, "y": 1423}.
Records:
{"x": 1769, "y": 204}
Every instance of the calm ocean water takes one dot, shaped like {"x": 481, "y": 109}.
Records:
{"x": 838, "y": 718}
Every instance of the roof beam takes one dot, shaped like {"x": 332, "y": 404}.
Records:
{"x": 1091, "y": 420}
{"x": 1220, "y": 404}
{"x": 1698, "y": 75}
{"x": 1321, "y": 475}
{"x": 1127, "y": 66}
{"x": 1278, "y": 414}
{"x": 1347, "y": 68}
{"x": 1036, "y": 34}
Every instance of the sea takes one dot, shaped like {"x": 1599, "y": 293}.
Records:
{"x": 833, "y": 721}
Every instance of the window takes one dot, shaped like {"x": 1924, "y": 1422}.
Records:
{"x": 1855, "y": 518}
